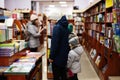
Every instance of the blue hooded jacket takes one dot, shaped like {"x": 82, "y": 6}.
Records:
{"x": 59, "y": 43}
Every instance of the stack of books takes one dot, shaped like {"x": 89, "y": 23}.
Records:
{"x": 6, "y": 52}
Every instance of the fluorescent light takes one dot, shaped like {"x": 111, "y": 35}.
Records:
{"x": 62, "y": 2}
{"x": 64, "y": 5}
{"x": 52, "y": 6}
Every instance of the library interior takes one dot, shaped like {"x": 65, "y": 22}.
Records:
{"x": 59, "y": 39}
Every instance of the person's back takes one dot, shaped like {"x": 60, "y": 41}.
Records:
{"x": 74, "y": 56}
{"x": 59, "y": 49}
{"x": 59, "y": 44}
{"x": 74, "y": 59}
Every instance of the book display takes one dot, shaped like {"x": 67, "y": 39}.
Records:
{"x": 102, "y": 26}
{"x": 49, "y": 36}
{"x": 15, "y": 60}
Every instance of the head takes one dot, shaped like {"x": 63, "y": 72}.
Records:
{"x": 34, "y": 20}
{"x": 63, "y": 21}
{"x": 74, "y": 42}
{"x": 70, "y": 27}
{"x": 71, "y": 35}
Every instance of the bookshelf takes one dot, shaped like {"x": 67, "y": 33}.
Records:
{"x": 49, "y": 35}
{"x": 79, "y": 25}
{"x": 102, "y": 37}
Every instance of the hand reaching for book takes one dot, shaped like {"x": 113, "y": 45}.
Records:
{"x": 41, "y": 29}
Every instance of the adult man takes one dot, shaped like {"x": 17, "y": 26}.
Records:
{"x": 60, "y": 49}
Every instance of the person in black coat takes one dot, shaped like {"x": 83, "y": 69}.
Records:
{"x": 59, "y": 49}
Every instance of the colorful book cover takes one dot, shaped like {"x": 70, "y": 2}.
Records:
{"x": 109, "y": 3}
{"x": 97, "y": 61}
{"x": 104, "y": 68}
{"x": 20, "y": 68}
{"x": 2, "y": 35}
{"x": 6, "y": 51}
{"x": 27, "y": 59}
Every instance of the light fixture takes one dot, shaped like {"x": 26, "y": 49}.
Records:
{"x": 62, "y": 2}
{"x": 64, "y": 5}
{"x": 51, "y": 6}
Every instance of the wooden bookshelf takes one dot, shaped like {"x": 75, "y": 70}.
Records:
{"x": 99, "y": 38}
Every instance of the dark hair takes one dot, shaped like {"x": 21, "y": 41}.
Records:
{"x": 33, "y": 22}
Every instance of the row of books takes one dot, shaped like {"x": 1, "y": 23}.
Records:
{"x": 99, "y": 8}
{"x": 116, "y": 3}
{"x": 107, "y": 41}
{"x": 6, "y": 34}
{"x": 6, "y": 51}
{"x": 93, "y": 54}
{"x": 97, "y": 18}
{"x": 109, "y": 17}
{"x": 16, "y": 46}
{"x": 24, "y": 65}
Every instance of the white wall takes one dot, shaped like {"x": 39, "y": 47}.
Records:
{"x": 57, "y": 11}
{"x": 18, "y": 4}
{"x": 2, "y": 3}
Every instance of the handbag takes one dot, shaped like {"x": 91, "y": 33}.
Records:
{"x": 70, "y": 73}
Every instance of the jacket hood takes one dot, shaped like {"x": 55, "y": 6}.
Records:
{"x": 79, "y": 50}
{"x": 63, "y": 21}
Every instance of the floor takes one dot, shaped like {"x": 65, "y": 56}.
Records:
{"x": 87, "y": 71}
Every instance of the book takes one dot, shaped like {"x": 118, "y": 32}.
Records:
{"x": 20, "y": 68}
{"x": 93, "y": 53}
{"x": 104, "y": 68}
{"x": 109, "y": 3}
{"x": 2, "y": 35}
{"x": 3, "y": 26}
{"x": 10, "y": 34}
{"x": 6, "y": 51}
{"x": 116, "y": 43}
{"x": 27, "y": 59}
{"x": 9, "y": 22}
{"x": 98, "y": 59}
{"x": 116, "y": 3}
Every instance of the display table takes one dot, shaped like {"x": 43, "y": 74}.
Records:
{"x": 24, "y": 68}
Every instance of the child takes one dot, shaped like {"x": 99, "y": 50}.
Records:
{"x": 74, "y": 55}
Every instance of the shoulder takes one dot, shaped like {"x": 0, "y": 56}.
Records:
{"x": 72, "y": 53}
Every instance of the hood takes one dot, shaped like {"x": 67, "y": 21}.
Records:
{"x": 63, "y": 21}
{"x": 79, "y": 50}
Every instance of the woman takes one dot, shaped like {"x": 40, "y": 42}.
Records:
{"x": 35, "y": 31}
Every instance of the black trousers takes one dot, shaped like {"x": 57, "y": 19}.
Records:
{"x": 59, "y": 73}
{"x": 33, "y": 49}
{"x": 74, "y": 77}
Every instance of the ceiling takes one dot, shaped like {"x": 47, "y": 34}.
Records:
{"x": 54, "y": 0}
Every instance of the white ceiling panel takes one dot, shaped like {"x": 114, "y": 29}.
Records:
{"x": 55, "y": 0}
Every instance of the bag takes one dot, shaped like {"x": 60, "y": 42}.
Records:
{"x": 70, "y": 73}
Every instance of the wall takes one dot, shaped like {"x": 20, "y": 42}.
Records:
{"x": 21, "y": 4}
{"x": 56, "y": 11}
{"x": 2, "y": 3}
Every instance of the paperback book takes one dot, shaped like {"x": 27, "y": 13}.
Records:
{"x": 20, "y": 68}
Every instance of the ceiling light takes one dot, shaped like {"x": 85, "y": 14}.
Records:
{"x": 52, "y": 6}
{"x": 64, "y": 5}
{"x": 62, "y": 2}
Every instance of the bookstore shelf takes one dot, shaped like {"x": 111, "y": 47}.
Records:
{"x": 102, "y": 38}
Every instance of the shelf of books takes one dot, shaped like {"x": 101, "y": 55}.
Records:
{"x": 49, "y": 36}
{"x": 102, "y": 26}
{"x": 13, "y": 46}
